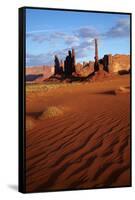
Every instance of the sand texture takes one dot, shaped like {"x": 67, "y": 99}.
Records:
{"x": 85, "y": 141}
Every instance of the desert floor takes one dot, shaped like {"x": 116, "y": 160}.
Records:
{"x": 87, "y": 143}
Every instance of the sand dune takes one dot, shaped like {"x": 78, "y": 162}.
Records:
{"x": 88, "y": 146}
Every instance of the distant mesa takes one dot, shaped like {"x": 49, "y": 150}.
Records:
{"x": 33, "y": 77}
{"x": 38, "y": 73}
{"x": 69, "y": 71}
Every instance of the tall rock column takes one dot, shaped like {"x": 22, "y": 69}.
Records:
{"x": 68, "y": 65}
{"x": 105, "y": 62}
{"x": 110, "y": 63}
{"x": 56, "y": 65}
{"x": 73, "y": 60}
{"x": 96, "y": 67}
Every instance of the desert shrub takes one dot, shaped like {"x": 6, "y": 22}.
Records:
{"x": 52, "y": 112}
{"x": 30, "y": 123}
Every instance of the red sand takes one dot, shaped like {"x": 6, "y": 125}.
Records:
{"x": 88, "y": 146}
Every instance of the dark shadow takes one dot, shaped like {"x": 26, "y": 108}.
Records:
{"x": 34, "y": 114}
{"x": 33, "y": 77}
{"x": 58, "y": 69}
{"x": 123, "y": 72}
{"x": 127, "y": 87}
{"x": 110, "y": 92}
{"x": 13, "y": 187}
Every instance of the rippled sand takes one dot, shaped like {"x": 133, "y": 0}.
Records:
{"x": 88, "y": 146}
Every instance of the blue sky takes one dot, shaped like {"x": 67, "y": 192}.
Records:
{"x": 50, "y": 33}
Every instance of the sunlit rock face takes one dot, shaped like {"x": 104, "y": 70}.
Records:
{"x": 119, "y": 63}
{"x": 84, "y": 69}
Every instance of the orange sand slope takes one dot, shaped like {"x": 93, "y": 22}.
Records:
{"x": 87, "y": 145}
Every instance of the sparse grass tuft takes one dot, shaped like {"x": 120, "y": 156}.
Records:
{"x": 51, "y": 112}
{"x": 30, "y": 123}
{"x": 42, "y": 87}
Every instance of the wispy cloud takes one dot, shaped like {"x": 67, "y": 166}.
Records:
{"x": 81, "y": 39}
{"x": 41, "y": 31}
{"x": 38, "y": 37}
{"x": 69, "y": 39}
{"x": 86, "y": 32}
{"x": 120, "y": 29}
{"x": 81, "y": 51}
{"x": 55, "y": 36}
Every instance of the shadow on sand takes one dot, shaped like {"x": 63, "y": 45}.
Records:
{"x": 110, "y": 92}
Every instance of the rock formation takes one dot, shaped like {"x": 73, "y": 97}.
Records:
{"x": 112, "y": 64}
{"x": 69, "y": 63}
{"x": 57, "y": 66}
{"x": 101, "y": 74}
{"x": 78, "y": 67}
{"x": 68, "y": 69}
{"x": 73, "y": 60}
{"x": 116, "y": 63}
{"x": 96, "y": 68}
{"x": 38, "y": 73}
{"x": 120, "y": 63}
